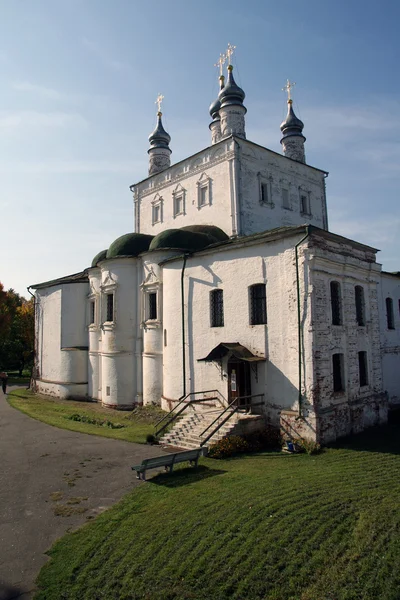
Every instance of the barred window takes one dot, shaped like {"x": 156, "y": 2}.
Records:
{"x": 258, "y": 304}
{"x": 360, "y": 305}
{"x": 152, "y": 305}
{"x": 110, "y": 307}
{"x": 363, "y": 368}
{"x": 389, "y": 313}
{"x": 217, "y": 308}
{"x": 338, "y": 372}
{"x": 336, "y": 304}
{"x": 92, "y": 312}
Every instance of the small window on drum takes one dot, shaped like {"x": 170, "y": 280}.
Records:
{"x": 110, "y": 308}
{"x": 152, "y": 306}
{"x": 92, "y": 312}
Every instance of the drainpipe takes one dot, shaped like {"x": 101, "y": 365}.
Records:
{"x": 299, "y": 332}
{"x": 183, "y": 325}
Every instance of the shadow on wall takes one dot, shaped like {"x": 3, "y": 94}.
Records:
{"x": 384, "y": 439}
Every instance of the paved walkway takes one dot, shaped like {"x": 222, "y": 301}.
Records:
{"x": 41, "y": 468}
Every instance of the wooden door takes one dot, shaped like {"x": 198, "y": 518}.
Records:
{"x": 238, "y": 380}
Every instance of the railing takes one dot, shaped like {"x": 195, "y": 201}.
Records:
{"x": 231, "y": 409}
{"x": 174, "y": 413}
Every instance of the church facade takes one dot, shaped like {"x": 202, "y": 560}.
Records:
{"x": 233, "y": 284}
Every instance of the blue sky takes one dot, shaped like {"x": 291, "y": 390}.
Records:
{"x": 79, "y": 80}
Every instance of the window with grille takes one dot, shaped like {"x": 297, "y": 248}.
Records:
{"x": 217, "y": 308}
{"x": 389, "y": 313}
{"x": 336, "y": 303}
{"x": 258, "y": 304}
{"x": 363, "y": 368}
{"x": 92, "y": 313}
{"x": 110, "y": 307}
{"x": 360, "y": 305}
{"x": 338, "y": 372}
{"x": 152, "y": 305}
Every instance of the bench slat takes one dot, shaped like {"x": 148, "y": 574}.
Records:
{"x": 167, "y": 460}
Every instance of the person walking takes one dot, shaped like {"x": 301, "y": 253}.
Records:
{"x": 4, "y": 379}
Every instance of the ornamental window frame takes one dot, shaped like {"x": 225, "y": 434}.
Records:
{"x": 179, "y": 196}
{"x": 265, "y": 190}
{"x": 157, "y": 210}
{"x": 204, "y": 191}
{"x": 93, "y": 307}
{"x": 108, "y": 290}
{"x": 151, "y": 287}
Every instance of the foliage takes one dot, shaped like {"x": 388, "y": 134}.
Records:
{"x": 227, "y": 446}
{"x": 16, "y": 330}
{"x": 254, "y": 442}
{"x": 151, "y": 439}
{"x": 308, "y": 446}
{"x": 269, "y": 526}
{"x": 93, "y": 421}
{"x": 57, "y": 412}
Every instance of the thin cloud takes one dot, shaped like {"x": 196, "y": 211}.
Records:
{"x": 14, "y": 120}
{"x": 40, "y": 90}
{"x": 78, "y": 166}
{"x": 106, "y": 59}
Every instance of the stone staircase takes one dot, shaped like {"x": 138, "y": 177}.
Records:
{"x": 186, "y": 432}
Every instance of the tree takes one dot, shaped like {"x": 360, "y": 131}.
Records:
{"x": 17, "y": 324}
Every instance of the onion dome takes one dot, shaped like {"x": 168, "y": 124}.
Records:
{"x": 231, "y": 93}
{"x": 216, "y": 105}
{"x": 99, "y": 256}
{"x": 159, "y": 138}
{"x": 130, "y": 244}
{"x": 188, "y": 239}
{"x": 291, "y": 125}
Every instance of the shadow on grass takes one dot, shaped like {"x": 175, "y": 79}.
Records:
{"x": 185, "y": 476}
{"x": 385, "y": 439}
{"x": 8, "y": 592}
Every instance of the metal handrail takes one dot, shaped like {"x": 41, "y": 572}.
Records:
{"x": 236, "y": 409}
{"x": 174, "y": 414}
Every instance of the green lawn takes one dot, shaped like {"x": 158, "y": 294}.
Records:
{"x": 137, "y": 424}
{"x": 267, "y": 526}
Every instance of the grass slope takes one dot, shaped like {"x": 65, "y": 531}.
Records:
{"x": 271, "y": 526}
{"x": 137, "y": 424}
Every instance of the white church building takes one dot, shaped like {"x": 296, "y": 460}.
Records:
{"x": 232, "y": 286}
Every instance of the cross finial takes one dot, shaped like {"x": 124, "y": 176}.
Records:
{"x": 220, "y": 63}
{"x": 288, "y": 87}
{"x": 229, "y": 52}
{"x": 159, "y": 100}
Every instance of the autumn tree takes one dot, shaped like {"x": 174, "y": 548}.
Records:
{"x": 16, "y": 330}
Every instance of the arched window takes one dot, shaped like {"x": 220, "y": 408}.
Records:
{"x": 389, "y": 313}
{"x": 258, "y": 304}
{"x": 336, "y": 303}
{"x": 217, "y": 308}
{"x": 360, "y": 305}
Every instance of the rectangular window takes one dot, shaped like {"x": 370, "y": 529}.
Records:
{"x": 389, "y": 313}
{"x": 178, "y": 205}
{"x": 304, "y": 204}
{"x": 264, "y": 193}
{"x": 92, "y": 312}
{"x": 156, "y": 214}
{"x": 217, "y": 308}
{"x": 360, "y": 305}
{"x": 152, "y": 306}
{"x": 336, "y": 304}
{"x": 285, "y": 198}
{"x": 338, "y": 372}
{"x": 363, "y": 368}
{"x": 258, "y": 304}
{"x": 110, "y": 307}
{"x": 203, "y": 197}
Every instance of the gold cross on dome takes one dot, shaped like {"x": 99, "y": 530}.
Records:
{"x": 220, "y": 63}
{"x": 288, "y": 87}
{"x": 229, "y": 52}
{"x": 159, "y": 100}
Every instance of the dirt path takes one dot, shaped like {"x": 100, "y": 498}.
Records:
{"x": 52, "y": 481}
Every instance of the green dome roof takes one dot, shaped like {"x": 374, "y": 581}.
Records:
{"x": 99, "y": 256}
{"x": 190, "y": 238}
{"x": 130, "y": 244}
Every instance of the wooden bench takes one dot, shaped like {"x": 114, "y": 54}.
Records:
{"x": 167, "y": 461}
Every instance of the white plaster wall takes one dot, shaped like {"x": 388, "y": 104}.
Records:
{"x": 278, "y": 172}
{"x": 95, "y": 335}
{"x": 233, "y": 271}
{"x": 211, "y": 163}
{"x": 390, "y": 338}
{"x": 119, "y": 339}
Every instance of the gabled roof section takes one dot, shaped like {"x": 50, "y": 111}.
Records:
{"x": 75, "y": 278}
{"x": 235, "y": 349}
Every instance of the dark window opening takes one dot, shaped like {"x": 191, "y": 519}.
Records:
{"x": 389, "y": 313}
{"x": 258, "y": 304}
{"x": 152, "y": 306}
{"x": 285, "y": 198}
{"x": 217, "y": 308}
{"x": 360, "y": 305}
{"x": 363, "y": 368}
{"x": 92, "y": 313}
{"x": 110, "y": 307}
{"x": 338, "y": 372}
{"x": 264, "y": 192}
{"x": 304, "y": 208}
{"x": 336, "y": 303}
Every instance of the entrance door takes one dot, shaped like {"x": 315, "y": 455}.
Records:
{"x": 238, "y": 381}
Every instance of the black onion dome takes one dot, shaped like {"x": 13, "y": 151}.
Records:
{"x": 214, "y": 108}
{"x": 99, "y": 256}
{"x": 159, "y": 138}
{"x": 130, "y": 244}
{"x": 231, "y": 93}
{"x": 291, "y": 125}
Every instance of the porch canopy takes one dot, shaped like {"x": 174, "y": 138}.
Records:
{"x": 236, "y": 350}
